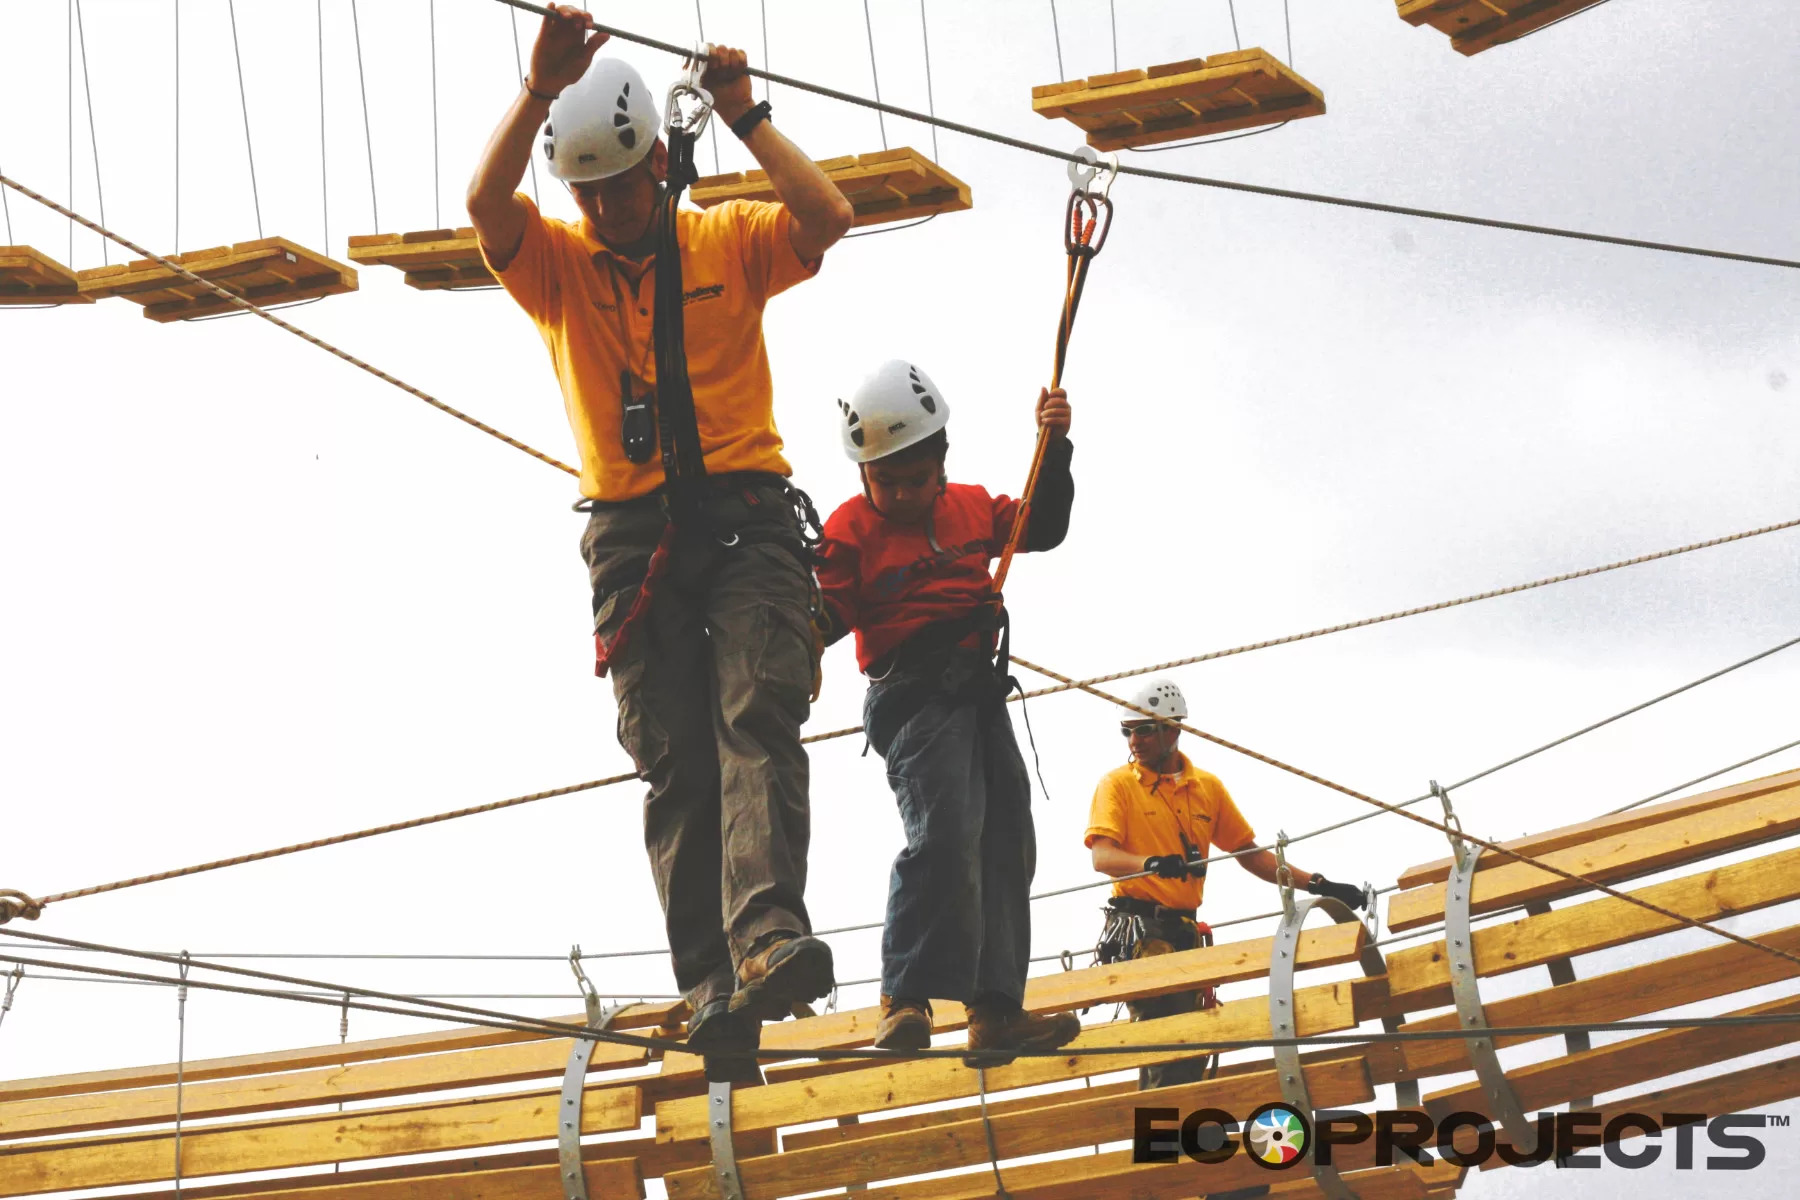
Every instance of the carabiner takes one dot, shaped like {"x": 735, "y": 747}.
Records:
{"x": 1082, "y": 174}
{"x": 1086, "y": 239}
{"x": 692, "y": 122}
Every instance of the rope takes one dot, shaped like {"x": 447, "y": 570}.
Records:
{"x": 437, "y": 187}
{"x": 1081, "y": 248}
{"x": 362, "y": 87}
{"x": 244, "y": 104}
{"x": 1425, "y": 608}
{"x": 12, "y": 989}
{"x": 519, "y": 67}
{"x": 1516, "y": 856}
{"x": 181, "y": 996}
{"x": 324, "y": 178}
{"x": 1613, "y": 812}
{"x": 340, "y": 839}
{"x": 175, "y": 6}
{"x": 266, "y": 315}
{"x": 87, "y": 88}
{"x": 987, "y": 1127}
{"x": 874, "y": 75}
{"x": 1256, "y": 189}
{"x": 541, "y": 1026}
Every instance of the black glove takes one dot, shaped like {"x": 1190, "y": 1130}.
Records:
{"x": 1167, "y": 866}
{"x": 1345, "y": 893}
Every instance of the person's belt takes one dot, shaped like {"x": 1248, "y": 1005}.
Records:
{"x": 729, "y": 481}
{"x": 1151, "y": 909}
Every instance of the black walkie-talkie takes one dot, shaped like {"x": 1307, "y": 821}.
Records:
{"x": 637, "y": 423}
{"x": 1196, "y": 860}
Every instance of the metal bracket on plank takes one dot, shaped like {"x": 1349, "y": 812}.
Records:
{"x": 568, "y": 1115}
{"x": 724, "y": 1153}
{"x": 1283, "y": 1022}
{"x": 1562, "y": 971}
{"x": 1459, "y": 947}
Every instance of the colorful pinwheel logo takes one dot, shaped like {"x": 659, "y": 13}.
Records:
{"x": 1276, "y": 1135}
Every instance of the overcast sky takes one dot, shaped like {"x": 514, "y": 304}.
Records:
{"x": 254, "y": 596}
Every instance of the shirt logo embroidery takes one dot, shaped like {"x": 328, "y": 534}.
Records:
{"x": 890, "y": 582}
{"x": 711, "y": 291}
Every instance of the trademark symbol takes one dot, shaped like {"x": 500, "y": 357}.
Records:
{"x": 1777, "y": 1121}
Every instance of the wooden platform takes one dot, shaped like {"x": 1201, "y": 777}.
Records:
{"x": 434, "y": 260}
{"x": 1194, "y": 98}
{"x": 887, "y": 185}
{"x": 29, "y": 276}
{"x": 1477, "y": 25}
{"x": 821, "y": 1125}
{"x": 267, "y": 271}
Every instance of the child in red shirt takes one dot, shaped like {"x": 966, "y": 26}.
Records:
{"x": 905, "y": 567}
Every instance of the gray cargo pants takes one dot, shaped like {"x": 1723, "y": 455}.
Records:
{"x": 713, "y": 684}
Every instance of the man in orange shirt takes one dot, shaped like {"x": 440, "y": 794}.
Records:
{"x": 697, "y": 546}
{"x": 1152, "y": 824}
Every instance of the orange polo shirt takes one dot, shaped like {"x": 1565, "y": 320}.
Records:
{"x": 1148, "y": 814}
{"x": 593, "y": 310}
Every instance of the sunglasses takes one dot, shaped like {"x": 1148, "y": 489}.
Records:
{"x": 1146, "y": 728}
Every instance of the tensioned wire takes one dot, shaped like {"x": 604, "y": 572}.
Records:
{"x": 1195, "y": 180}
{"x": 334, "y": 996}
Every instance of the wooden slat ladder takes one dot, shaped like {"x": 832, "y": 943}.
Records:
{"x": 886, "y": 185}
{"x": 30, "y": 277}
{"x": 1240, "y": 89}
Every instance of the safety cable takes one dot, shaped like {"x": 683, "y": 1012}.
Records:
{"x": 1613, "y": 812}
{"x": 1056, "y": 32}
{"x": 1112, "y": 21}
{"x": 1402, "y": 810}
{"x": 87, "y": 88}
{"x": 13, "y": 978}
{"x": 437, "y": 187}
{"x": 362, "y": 87}
{"x": 69, "y": 110}
{"x": 931, "y": 106}
{"x": 181, "y": 999}
{"x": 519, "y": 67}
{"x": 175, "y": 6}
{"x": 1439, "y": 606}
{"x": 762, "y": 8}
{"x": 1199, "y": 180}
{"x": 874, "y": 74}
{"x": 1236, "y": 40}
{"x": 247, "y": 306}
{"x": 551, "y": 1028}
{"x": 810, "y": 739}
{"x": 713, "y": 126}
{"x": 244, "y": 104}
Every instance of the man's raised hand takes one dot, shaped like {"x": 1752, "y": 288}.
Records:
{"x": 727, "y": 77}
{"x": 563, "y": 50}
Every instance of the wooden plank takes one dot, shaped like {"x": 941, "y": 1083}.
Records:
{"x": 1322, "y": 1009}
{"x": 1438, "y": 870}
{"x": 29, "y": 276}
{"x": 1016, "y": 1134}
{"x": 267, "y": 269}
{"x": 1611, "y": 859}
{"x": 607, "y": 1179}
{"x": 1419, "y": 976}
{"x": 1229, "y": 91}
{"x": 1622, "y": 1064}
{"x": 885, "y": 185}
{"x": 1616, "y": 996}
{"x": 1736, "y": 1092}
{"x": 1523, "y": 19}
{"x": 638, "y": 1016}
{"x": 324, "y": 1085}
{"x": 833, "y": 1135}
{"x": 31, "y": 1167}
{"x": 1232, "y": 962}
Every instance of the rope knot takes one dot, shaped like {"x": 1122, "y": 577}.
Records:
{"x": 14, "y": 903}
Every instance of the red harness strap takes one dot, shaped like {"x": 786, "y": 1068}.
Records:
{"x": 604, "y": 650}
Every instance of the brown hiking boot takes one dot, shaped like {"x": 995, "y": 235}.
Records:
{"x": 905, "y": 1024}
{"x": 789, "y": 969}
{"x": 1002, "y": 1025}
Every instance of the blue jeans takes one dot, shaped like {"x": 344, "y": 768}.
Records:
{"x": 958, "y": 912}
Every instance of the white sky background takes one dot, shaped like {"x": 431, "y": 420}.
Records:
{"x": 254, "y": 596}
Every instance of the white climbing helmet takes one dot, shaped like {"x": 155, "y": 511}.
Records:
{"x": 1160, "y": 696}
{"x": 896, "y": 407}
{"x": 601, "y": 125}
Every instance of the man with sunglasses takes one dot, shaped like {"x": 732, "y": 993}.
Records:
{"x": 695, "y": 543}
{"x": 1153, "y": 823}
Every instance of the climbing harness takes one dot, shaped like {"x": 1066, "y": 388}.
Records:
{"x": 1137, "y": 929}
{"x": 1087, "y": 220}
{"x": 568, "y": 1123}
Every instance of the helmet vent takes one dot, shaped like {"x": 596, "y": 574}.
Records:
{"x": 628, "y": 138}
{"x": 926, "y": 402}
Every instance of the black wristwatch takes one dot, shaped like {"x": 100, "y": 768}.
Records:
{"x": 750, "y": 120}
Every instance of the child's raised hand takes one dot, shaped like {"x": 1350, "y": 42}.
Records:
{"x": 1053, "y": 412}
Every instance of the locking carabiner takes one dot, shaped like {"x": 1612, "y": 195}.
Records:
{"x": 692, "y": 120}
{"x": 1088, "y": 218}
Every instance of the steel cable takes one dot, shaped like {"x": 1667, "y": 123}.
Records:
{"x": 244, "y": 105}
{"x": 1229, "y": 185}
